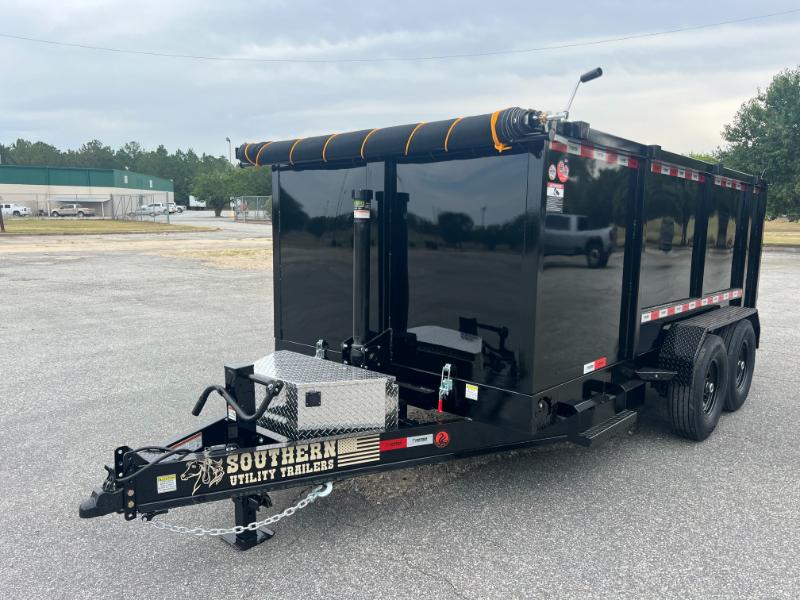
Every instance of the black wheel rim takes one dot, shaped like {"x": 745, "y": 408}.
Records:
{"x": 741, "y": 365}
{"x": 711, "y": 387}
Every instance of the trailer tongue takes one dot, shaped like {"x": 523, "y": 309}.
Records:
{"x": 517, "y": 279}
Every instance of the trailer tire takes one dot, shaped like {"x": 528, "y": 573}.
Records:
{"x": 741, "y": 362}
{"x": 694, "y": 409}
{"x": 596, "y": 256}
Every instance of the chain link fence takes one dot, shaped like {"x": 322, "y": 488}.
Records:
{"x": 252, "y": 208}
{"x": 106, "y": 206}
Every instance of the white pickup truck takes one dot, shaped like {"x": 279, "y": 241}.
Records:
{"x": 15, "y": 210}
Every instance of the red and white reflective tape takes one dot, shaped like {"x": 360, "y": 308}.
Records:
{"x": 676, "y": 171}
{"x": 689, "y": 305}
{"x": 406, "y": 442}
{"x": 561, "y": 144}
{"x": 733, "y": 184}
{"x": 594, "y": 365}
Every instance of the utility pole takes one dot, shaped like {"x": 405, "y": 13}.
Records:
{"x": 230, "y": 150}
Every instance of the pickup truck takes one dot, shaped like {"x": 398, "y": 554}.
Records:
{"x": 72, "y": 210}
{"x": 15, "y": 210}
{"x": 570, "y": 235}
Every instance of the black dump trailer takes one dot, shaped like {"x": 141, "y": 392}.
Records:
{"x": 456, "y": 287}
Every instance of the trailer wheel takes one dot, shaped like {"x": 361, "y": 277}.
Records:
{"x": 741, "y": 361}
{"x": 694, "y": 409}
{"x": 596, "y": 257}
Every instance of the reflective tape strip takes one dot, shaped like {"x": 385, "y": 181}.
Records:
{"x": 733, "y": 184}
{"x": 406, "y": 442}
{"x": 669, "y": 170}
{"x": 560, "y": 144}
{"x": 594, "y": 365}
{"x": 670, "y": 310}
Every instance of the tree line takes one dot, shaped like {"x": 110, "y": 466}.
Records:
{"x": 210, "y": 178}
{"x": 763, "y": 138}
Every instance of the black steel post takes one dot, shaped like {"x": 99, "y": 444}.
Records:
{"x": 701, "y": 236}
{"x": 740, "y": 241}
{"x": 398, "y": 287}
{"x": 385, "y": 211}
{"x": 239, "y": 385}
{"x": 361, "y": 251}
{"x": 246, "y": 508}
{"x": 245, "y": 435}
{"x": 754, "y": 247}
{"x": 632, "y": 260}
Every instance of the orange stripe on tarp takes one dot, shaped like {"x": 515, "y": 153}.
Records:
{"x": 449, "y": 131}
{"x": 411, "y": 136}
{"x": 291, "y": 151}
{"x": 325, "y": 146}
{"x": 364, "y": 143}
{"x": 246, "y": 146}
{"x": 498, "y": 145}
{"x": 258, "y": 154}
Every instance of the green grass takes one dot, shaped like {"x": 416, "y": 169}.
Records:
{"x": 90, "y": 226}
{"x": 781, "y": 233}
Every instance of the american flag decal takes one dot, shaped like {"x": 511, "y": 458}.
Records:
{"x": 355, "y": 451}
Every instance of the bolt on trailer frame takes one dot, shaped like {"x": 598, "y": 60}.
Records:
{"x": 466, "y": 286}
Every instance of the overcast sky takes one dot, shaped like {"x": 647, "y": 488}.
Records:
{"x": 675, "y": 90}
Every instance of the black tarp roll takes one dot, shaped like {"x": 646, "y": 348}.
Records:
{"x": 495, "y": 130}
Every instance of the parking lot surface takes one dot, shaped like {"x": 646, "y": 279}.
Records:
{"x": 101, "y": 347}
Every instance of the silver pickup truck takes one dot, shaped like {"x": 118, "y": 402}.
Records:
{"x": 571, "y": 235}
{"x": 72, "y": 210}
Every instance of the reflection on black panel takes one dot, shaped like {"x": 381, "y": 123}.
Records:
{"x": 720, "y": 237}
{"x": 574, "y": 235}
{"x": 670, "y": 211}
{"x": 316, "y": 237}
{"x": 465, "y": 242}
{"x": 580, "y": 285}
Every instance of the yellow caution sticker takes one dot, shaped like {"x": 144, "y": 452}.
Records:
{"x": 166, "y": 483}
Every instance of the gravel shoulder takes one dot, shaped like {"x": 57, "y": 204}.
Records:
{"x": 117, "y": 340}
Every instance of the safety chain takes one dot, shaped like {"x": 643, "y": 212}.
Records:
{"x": 318, "y": 492}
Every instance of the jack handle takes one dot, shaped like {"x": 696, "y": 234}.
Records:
{"x": 273, "y": 386}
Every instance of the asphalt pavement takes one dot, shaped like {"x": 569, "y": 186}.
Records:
{"x": 225, "y": 222}
{"x": 99, "y": 349}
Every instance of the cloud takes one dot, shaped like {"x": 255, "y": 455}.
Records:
{"x": 675, "y": 90}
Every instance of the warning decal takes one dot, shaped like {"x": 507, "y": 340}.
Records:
{"x": 563, "y": 171}
{"x": 555, "y": 197}
{"x": 166, "y": 483}
{"x": 471, "y": 392}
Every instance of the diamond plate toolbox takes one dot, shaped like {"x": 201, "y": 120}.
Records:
{"x": 321, "y": 398}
